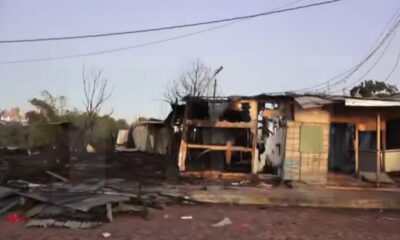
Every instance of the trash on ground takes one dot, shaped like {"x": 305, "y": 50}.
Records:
{"x": 224, "y": 222}
{"x": 106, "y": 234}
{"x": 15, "y": 217}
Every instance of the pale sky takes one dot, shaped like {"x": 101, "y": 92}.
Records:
{"x": 273, "y": 53}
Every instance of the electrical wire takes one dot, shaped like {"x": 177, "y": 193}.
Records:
{"x": 320, "y": 87}
{"x": 386, "y": 42}
{"x": 169, "y": 27}
{"x": 133, "y": 46}
{"x": 393, "y": 69}
{"x": 112, "y": 50}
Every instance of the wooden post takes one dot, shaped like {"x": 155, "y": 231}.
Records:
{"x": 254, "y": 131}
{"x": 378, "y": 148}
{"x": 228, "y": 152}
{"x": 384, "y": 136}
{"x": 183, "y": 146}
{"x": 356, "y": 150}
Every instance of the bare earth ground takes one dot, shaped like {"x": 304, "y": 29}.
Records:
{"x": 248, "y": 223}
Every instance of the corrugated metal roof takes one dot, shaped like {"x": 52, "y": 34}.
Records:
{"x": 5, "y": 192}
{"x": 307, "y": 102}
{"x": 352, "y": 102}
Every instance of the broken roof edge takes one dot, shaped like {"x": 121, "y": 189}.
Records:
{"x": 307, "y": 101}
{"x": 147, "y": 121}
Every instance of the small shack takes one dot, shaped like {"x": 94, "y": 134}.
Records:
{"x": 149, "y": 135}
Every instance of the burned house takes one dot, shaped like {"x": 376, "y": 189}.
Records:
{"x": 296, "y": 137}
{"x": 233, "y": 134}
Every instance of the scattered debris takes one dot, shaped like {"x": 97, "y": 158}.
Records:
{"x": 44, "y": 223}
{"x": 23, "y": 184}
{"x": 86, "y": 204}
{"x": 9, "y": 203}
{"x": 390, "y": 219}
{"x": 371, "y": 177}
{"x": 264, "y": 185}
{"x": 106, "y": 234}
{"x": 55, "y": 175}
{"x": 224, "y": 222}
{"x": 130, "y": 208}
{"x": 5, "y": 192}
{"x": 15, "y": 217}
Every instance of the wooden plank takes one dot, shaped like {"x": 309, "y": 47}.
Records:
{"x": 217, "y": 175}
{"x": 220, "y": 124}
{"x": 219, "y": 147}
{"x": 182, "y": 155}
{"x": 228, "y": 153}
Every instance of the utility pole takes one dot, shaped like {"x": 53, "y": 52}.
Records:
{"x": 215, "y": 80}
{"x": 213, "y": 156}
{"x": 215, "y": 84}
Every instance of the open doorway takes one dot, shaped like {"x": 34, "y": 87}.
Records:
{"x": 341, "y": 149}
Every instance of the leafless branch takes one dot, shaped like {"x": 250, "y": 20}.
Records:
{"x": 196, "y": 82}
{"x": 96, "y": 93}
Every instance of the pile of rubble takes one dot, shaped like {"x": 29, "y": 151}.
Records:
{"x": 84, "y": 205}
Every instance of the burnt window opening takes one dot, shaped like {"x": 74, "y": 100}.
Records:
{"x": 233, "y": 115}
{"x": 231, "y": 111}
{"x": 198, "y": 110}
{"x": 219, "y": 136}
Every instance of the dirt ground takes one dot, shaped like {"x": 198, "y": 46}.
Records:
{"x": 247, "y": 223}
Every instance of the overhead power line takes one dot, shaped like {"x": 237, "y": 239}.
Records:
{"x": 168, "y": 27}
{"x": 387, "y": 78}
{"x": 136, "y": 45}
{"x": 94, "y": 53}
{"x": 361, "y": 78}
{"x": 386, "y": 33}
{"x": 385, "y": 44}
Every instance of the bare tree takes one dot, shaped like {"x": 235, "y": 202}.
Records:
{"x": 96, "y": 93}
{"x": 196, "y": 82}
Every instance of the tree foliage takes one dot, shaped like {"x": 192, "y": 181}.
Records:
{"x": 48, "y": 107}
{"x": 370, "y": 88}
